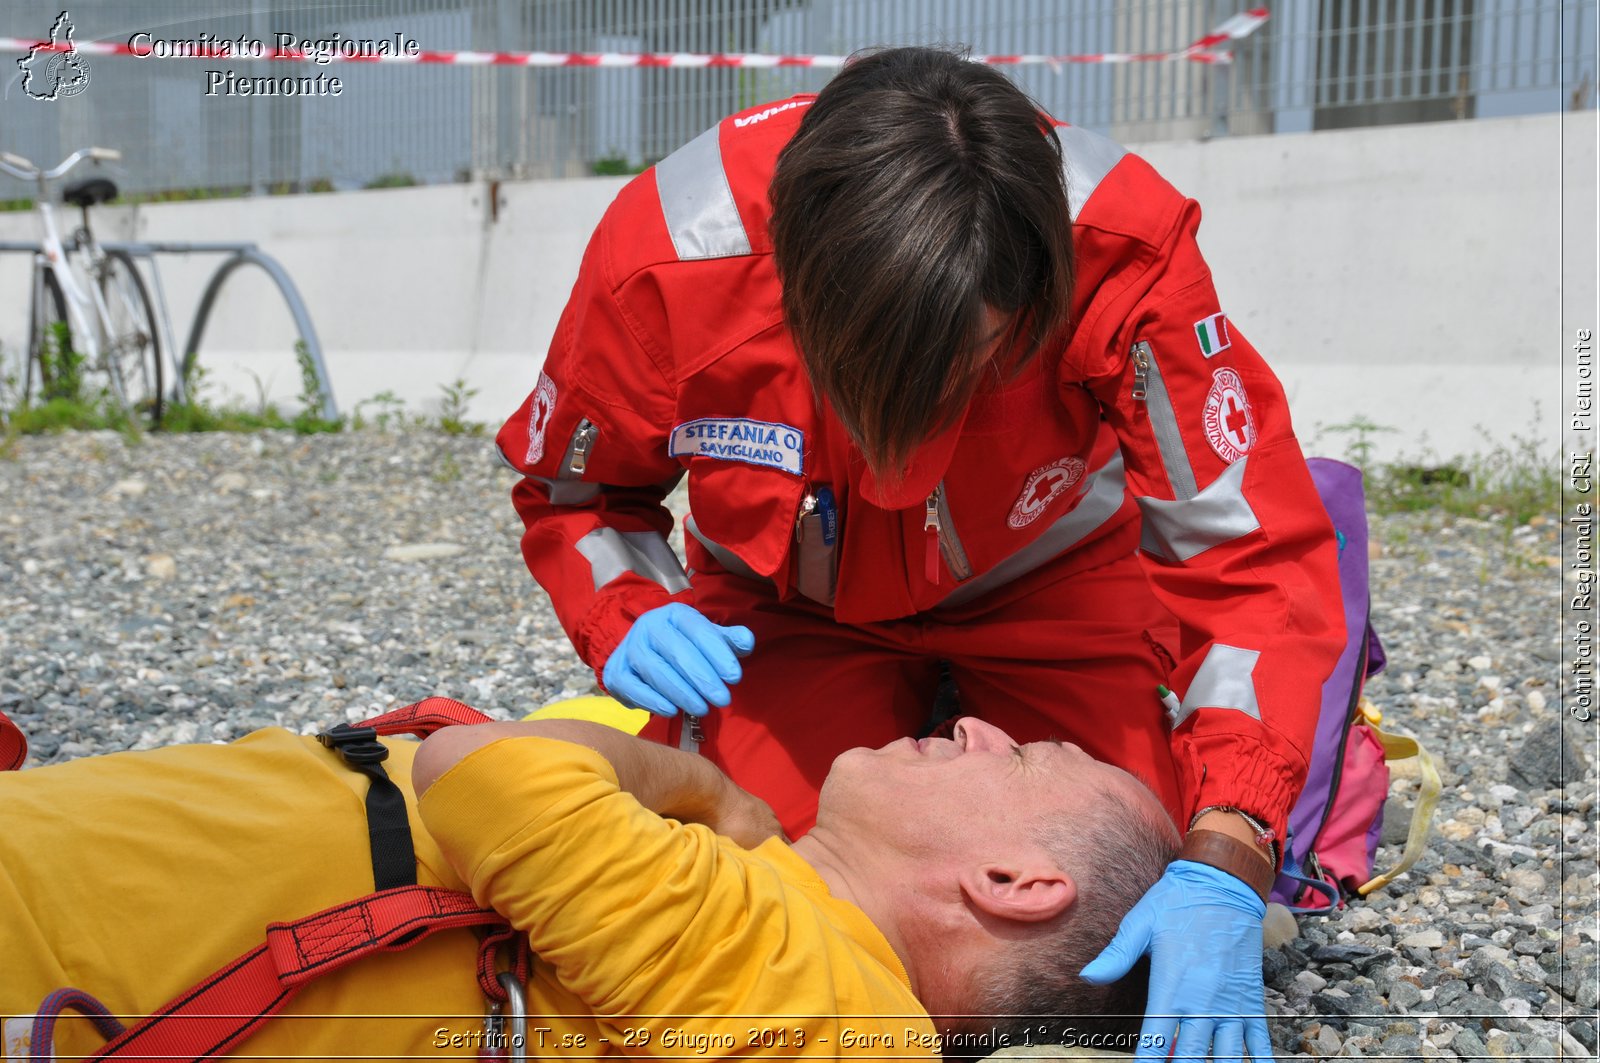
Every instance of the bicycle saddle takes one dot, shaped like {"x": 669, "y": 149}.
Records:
{"x": 90, "y": 191}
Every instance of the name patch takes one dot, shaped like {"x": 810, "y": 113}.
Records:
{"x": 739, "y": 439}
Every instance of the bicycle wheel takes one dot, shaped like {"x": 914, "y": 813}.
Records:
{"x": 50, "y": 353}
{"x": 133, "y": 347}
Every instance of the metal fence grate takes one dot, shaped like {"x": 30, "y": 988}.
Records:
{"x": 1317, "y": 64}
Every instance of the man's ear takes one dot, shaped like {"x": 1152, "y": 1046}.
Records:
{"x": 1021, "y": 893}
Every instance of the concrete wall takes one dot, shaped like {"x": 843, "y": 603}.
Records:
{"x": 1411, "y": 275}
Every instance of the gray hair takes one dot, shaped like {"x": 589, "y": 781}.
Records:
{"x": 1035, "y": 994}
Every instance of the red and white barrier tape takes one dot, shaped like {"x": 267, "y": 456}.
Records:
{"x": 1235, "y": 28}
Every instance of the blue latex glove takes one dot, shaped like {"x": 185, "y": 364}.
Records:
{"x": 674, "y": 658}
{"x": 1202, "y": 929}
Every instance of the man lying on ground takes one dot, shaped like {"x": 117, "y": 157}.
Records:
{"x": 946, "y": 877}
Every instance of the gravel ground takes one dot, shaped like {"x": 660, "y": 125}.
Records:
{"x": 193, "y": 589}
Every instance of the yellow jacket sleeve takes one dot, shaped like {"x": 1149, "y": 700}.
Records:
{"x": 665, "y": 927}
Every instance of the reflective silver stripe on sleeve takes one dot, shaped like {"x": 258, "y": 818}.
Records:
{"x": 1086, "y": 158}
{"x": 1220, "y": 514}
{"x": 1102, "y": 499}
{"x": 569, "y": 492}
{"x": 697, "y": 201}
{"x": 1223, "y": 682}
{"x": 1164, "y": 423}
{"x": 561, "y": 492}
{"x": 725, "y": 557}
{"x": 612, "y": 553}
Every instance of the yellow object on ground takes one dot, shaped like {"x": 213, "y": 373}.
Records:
{"x": 1400, "y": 747}
{"x": 595, "y": 708}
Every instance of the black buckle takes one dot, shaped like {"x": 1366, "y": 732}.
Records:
{"x": 357, "y": 745}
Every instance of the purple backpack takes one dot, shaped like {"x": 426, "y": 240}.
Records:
{"x": 1335, "y": 824}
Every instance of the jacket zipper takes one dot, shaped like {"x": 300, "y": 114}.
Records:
{"x": 1141, "y": 370}
{"x": 1149, "y": 390}
{"x": 942, "y": 539}
{"x": 578, "y": 449}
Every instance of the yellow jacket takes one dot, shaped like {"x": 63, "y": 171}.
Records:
{"x": 132, "y": 876}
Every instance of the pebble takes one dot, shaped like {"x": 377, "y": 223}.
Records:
{"x": 1555, "y": 754}
{"x": 1278, "y": 926}
{"x": 1405, "y": 995}
{"x": 195, "y": 588}
{"x": 1310, "y": 981}
{"x": 1364, "y": 920}
{"x": 1424, "y": 939}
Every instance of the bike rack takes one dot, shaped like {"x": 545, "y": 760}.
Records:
{"x": 240, "y": 254}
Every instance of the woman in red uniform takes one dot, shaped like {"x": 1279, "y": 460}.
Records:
{"x": 952, "y": 387}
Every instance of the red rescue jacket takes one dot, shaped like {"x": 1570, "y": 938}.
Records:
{"x": 672, "y": 357}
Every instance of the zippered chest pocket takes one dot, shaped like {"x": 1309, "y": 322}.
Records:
{"x": 816, "y": 534}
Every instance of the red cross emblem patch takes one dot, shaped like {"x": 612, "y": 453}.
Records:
{"x": 1044, "y": 486}
{"x": 1229, "y": 422}
{"x": 541, "y": 404}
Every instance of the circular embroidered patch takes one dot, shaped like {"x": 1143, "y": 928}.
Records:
{"x": 541, "y": 404}
{"x": 1229, "y": 422}
{"x": 1043, "y": 487}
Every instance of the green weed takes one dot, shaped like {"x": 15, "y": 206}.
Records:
{"x": 1511, "y": 483}
{"x": 391, "y": 410}
{"x": 453, "y": 410}
{"x": 309, "y": 421}
{"x": 1358, "y": 451}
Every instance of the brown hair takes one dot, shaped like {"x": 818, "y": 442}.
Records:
{"x": 921, "y": 190}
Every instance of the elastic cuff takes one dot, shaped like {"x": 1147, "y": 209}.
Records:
{"x": 1224, "y": 770}
{"x": 612, "y": 615}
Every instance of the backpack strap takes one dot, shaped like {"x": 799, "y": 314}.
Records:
{"x": 1400, "y": 747}
{"x": 13, "y": 745}
{"x": 234, "y": 1001}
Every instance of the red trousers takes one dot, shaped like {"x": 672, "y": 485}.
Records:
{"x": 1075, "y": 658}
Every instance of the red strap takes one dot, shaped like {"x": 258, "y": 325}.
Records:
{"x": 425, "y": 717}
{"x": 233, "y": 1002}
{"x": 420, "y": 719}
{"x": 326, "y": 941}
{"x": 13, "y": 745}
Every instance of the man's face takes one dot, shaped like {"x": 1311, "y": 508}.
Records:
{"x": 978, "y": 783}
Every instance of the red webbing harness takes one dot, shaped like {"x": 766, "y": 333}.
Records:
{"x": 13, "y": 746}
{"x": 232, "y": 1002}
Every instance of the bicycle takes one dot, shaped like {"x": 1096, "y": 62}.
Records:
{"x": 90, "y": 312}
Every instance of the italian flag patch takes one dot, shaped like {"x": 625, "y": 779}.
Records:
{"x": 1213, "y": 334}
